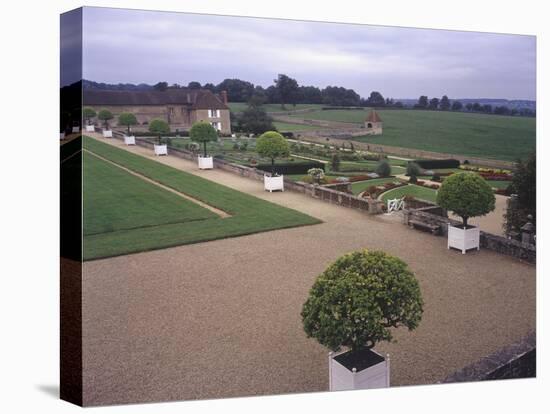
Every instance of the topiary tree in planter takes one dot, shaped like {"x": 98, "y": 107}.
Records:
{"x": 105, "y": 115}
{"x": 88, "y": 114}
{"x": 127, "y": 119}
{"x": 159, "y": 127}
{"x": 357, "y": 300}
{"x": 203, "y": 132}
{"x": 466, "y": 195}
{"x": 272, "y": 145}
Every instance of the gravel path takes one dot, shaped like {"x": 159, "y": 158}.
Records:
{"x": 222, "y": 318}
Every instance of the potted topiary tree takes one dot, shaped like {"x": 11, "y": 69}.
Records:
{"x": 272, "y": 145}
{"x": 159, "y": 127}
{"x": 413, "y": 171}
{"x": 88, "y": 114}
{"x": 383, "y": 169}
{"x": 105, "y": 116}
{"x": 204, "y": 132}
{"x": 128, "y": 119}
{"x": 466, "y": 195}
{"x": 353, "y": 305}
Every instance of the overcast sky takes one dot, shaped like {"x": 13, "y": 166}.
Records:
{"x": 147, "y": 47}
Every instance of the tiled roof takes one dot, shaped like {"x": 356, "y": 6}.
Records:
{"x": 194, "y": 98}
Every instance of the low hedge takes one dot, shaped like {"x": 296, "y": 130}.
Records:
{"x": 436, "y": 164}
{"x": 291, "y": 167}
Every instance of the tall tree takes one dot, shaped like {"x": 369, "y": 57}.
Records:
{"x": 376, "y": 99}
{"x": 161, "y": 86}
{"x": 287, "y": 88}
{"x": 194, "y": 85}
{"x": 457, "y": 106}
{"x": 524, "y": 185}
{"x": 434, "y": 103}
{"x": 444, "y": 104}
{"x": 255, "y": 120}
{"x": 422, "y": 102}
{"x": 237, "y": 90}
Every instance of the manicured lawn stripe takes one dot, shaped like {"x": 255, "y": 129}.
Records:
{"x": 116, "y": 200}
{"x": 249, "y": 214}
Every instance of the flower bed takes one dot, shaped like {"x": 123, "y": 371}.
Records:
{"x": 375, "y": 190}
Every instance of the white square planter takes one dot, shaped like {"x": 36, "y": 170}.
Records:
{"x": 61, "y": 135}
{"x": 463, "y": 239}
{"x": 206, "y": 163}
{"x": 107, "y": 133}
{"x": 90, "y": 128}
{"x": 274, "y": 183}
{"x": 161, "y": 149}
{"x": 76, "y": 130}
{"x": 373, "y": 372}
{"x": 129, "y": 140}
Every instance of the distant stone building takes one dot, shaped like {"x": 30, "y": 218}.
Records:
{"x": 373, "y": 123}
{"x": 180, "y": 107}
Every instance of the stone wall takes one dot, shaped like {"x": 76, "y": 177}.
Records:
{"x": 344, "y": 187}
{"x": 509, "y": 247}
{"x": 518, "y": 360}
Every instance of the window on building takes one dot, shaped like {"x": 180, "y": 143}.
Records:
{"x": 217, "y": 125}
{"x": 213, "y": 113}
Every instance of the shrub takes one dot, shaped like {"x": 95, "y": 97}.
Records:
{"x": 316, "y": 174}
{"x": 203, "y": 132}
{"x": 413, "y": 169}
{"x": 358, "y": 298}
{"x": 292, "y": 167}
{"x": 383, "y": 169}
{"x": 466, "y": 195}
{"x": 272, "y": 145}
{"x": 159, "y": 127}
{"x": 335, "y": 162}
{"x": 466, "y": 162}
{"x": 413, "y": 179}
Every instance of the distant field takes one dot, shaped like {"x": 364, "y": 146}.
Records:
{"x": 476, "y": 135}
{"x": 285, "y": 127}
{"x": 125, "y": 214}
{"x": 241, "y": 106}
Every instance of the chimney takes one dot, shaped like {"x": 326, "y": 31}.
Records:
{"x": 223, "y": 95}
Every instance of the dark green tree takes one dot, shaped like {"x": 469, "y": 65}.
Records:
{"x": 457, "y": 106}
{"x": 335, "y": 162}
{"x": 161, "y": 86}
{"x": 444, "y": 104}
{"x": 287, "y": 89}
{"x": 466, "y": 195}
{"x": 383, "y": 169}
{"x": 203, "y": 132}
{"x": 376, "y": 99}
{"x": 255, "y": 120}
{"x": 359, "y": 298}
{"x": 524, "y": 186}
{"x": 194, "y": 85}
{"x": 422, "y": 102}
{"x": 434, "y": 104}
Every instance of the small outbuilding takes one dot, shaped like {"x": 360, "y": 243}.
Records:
{"x": 373, "y": 123}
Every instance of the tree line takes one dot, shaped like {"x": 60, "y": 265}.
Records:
{"x": 445, "y": 104}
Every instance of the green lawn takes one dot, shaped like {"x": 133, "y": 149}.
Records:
{"x": 248, "y": 214}
{"x": 476, "y": 135}
{"x": 419, "y": 192}
{"x": 129, "y": 202}
{"x": 361, "y": 186}
{"x": 286, "y": 127}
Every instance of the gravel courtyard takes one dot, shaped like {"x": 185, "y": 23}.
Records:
{"x": 222, "y": 318}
